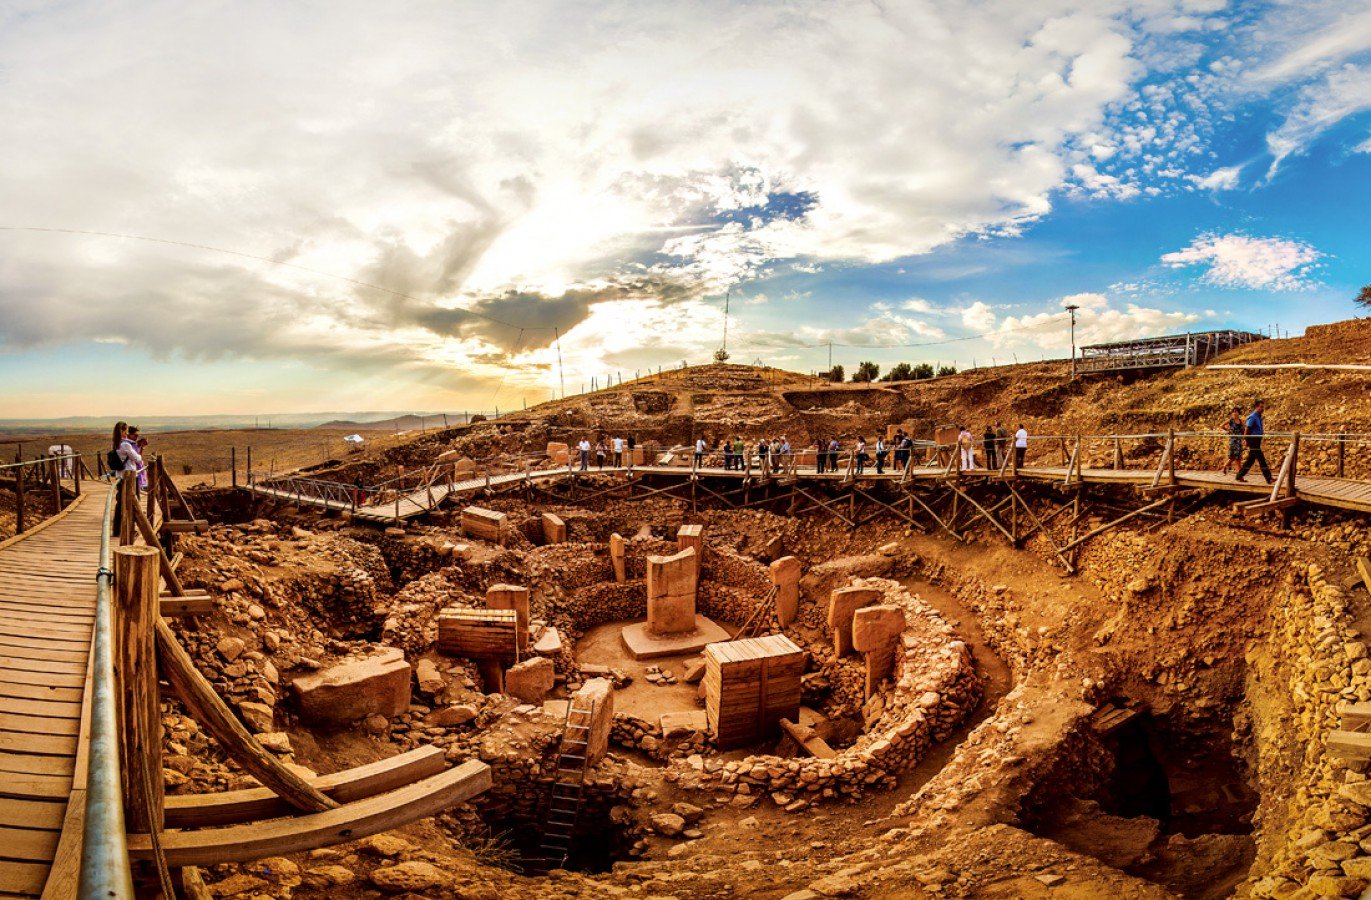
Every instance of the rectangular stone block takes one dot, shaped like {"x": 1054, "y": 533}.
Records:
{"x": 597, "y": 696}
{"x": 554, "y": 529}
{"x": 785, "y": 574}
{"x": 509, "y": 596}
{"x": 557, "y": 453}
{"x": 876, "y": 633}
{"x": 671, "y": 583}
{"x": 344, "y": 693}
{"x": 616, "y": 557}
{"x": 692, "y": 537}
{"x": 531, "y": 680}
{"x": 486, "y": 524}
{"x": 842, "y": 605}
{"x": 749, "y": 686}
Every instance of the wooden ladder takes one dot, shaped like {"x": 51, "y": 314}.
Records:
{"x": 564, "y": 802}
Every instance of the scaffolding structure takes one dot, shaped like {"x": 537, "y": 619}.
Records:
{"x": 1169, "y": 351}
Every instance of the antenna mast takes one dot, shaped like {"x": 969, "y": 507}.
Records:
{"x": 721, "y": 355}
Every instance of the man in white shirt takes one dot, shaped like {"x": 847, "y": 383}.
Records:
{"x": 584, "y": 448}
{"x": 699, "y": 452}
{"x": 1020, "y": 445}
{"x": 618, "y": 452}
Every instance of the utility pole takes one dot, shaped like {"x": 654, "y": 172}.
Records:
{"x": 830, "y": 356}
{"x": 560, "y": 374}
{"x": 1071, "y": 308}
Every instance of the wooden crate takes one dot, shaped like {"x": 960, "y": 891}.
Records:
{"x": 750, "y": 685}
{"x": 486, "y": 524}
{"x": 478, "y": 633}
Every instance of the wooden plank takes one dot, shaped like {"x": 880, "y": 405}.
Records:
{"x": 65, "y": 875}
{"x": 1253, "y": 509}
{"x": 40, "y": 651}
{"x": 241, "y": 843}
{"x": 55, "y": 709}
{"x": 185, "y": 526}
{"x": 19, "y": 762}
{"x": 172, "y": 607}
{"x": 1364, "y": 570}
{"x": 40, "y": 691}
{"x": 30, "y": 844}
{"x": 34, "y": 787}
{"x": 20, "y": 878}
{"x": 32, "y": 813}
{"x": 233, "y": 807}
{"x": 1356, "y": 716}
{"x": 47, "y": 744}
{"x": 16, "y": 675}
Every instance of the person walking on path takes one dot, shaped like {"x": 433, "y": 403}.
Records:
{"x": 992, "y": 459}
{"x": 1254, "y": 428}
{"x": 966, "y": 444}
{"x": 881, "y": 452}
{"x": 618, "y": 452}
{"x": 584, "y": 448}
{"x": 1020, "y": 445}
{"x": 699, "y": 452}
{"x": 1235, "y": 427}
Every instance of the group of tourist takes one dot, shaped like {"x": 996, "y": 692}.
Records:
{"x": 1247, "y": 431}
{"x": 126, "y": 454}
{"x": 994, "y": 445}
{"x": 602, "y": 449}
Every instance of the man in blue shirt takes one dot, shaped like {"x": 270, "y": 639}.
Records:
{"x": 1254, "y": 429}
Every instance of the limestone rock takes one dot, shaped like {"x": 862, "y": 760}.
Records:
{"x": 531, "y": 680}
{"x": 408, "y": 876}
{"x": 375, "y": 685}
{"x": 258, "y": 716}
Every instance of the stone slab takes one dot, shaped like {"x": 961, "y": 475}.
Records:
{"x": 354, "y": 689}
{"x": 554, "y": 529}
{"x": 785, "y": 574}
{"x": 549, "y": 643}
{"x": 531, "y": 680}
{"x": 678, "y": 724}
{"x": 643, "y": 644}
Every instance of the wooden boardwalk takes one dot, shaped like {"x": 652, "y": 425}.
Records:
{"x": 1344, "y": 493}
{"x": 47, "y": 613}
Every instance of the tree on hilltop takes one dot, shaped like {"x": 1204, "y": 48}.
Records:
{"x": 900, "y": 372}
{"x": 834, "y": 374}
{"x": 866, "y": 371}
{"x": 1364, "y": 297}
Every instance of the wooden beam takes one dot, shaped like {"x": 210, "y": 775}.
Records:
{"x": 135, "y": 670}
{"x": 1364, "y": 570}
{"x": 279, "y": 837}
{"x": 1115, "y": 523}
{"x": 1261, "y": 506}
{"x": 235, "y": 807}
{"x": 984, "y": 513}
{"x": 185, "y": 526}
{"x": 195, "y": 603}
{"x": 210, "y": 711}
{"x": 1033, "y": 517}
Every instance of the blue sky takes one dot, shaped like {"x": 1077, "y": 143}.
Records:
{"x": 329, "y": 206}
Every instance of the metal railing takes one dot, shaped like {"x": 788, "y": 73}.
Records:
{"x": 105, "y": 870}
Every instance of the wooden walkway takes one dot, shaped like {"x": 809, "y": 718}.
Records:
{"x": 47, "y": 613}
{"x": 1344, "y": 493}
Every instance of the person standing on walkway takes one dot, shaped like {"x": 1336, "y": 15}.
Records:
{"x": 834, "y": 448}
{"x": 1001, "y": 440}
{"x": 992, "y": 459}
{"x": 820, "y": 456}
{"x": 861, "y": 454}
{"x": 699, "y": 452}
{"x": 739, "y": 453}
{"x": 618, "y": 444}
{"x": 1020, "y": 445}
{"x": 584, "y": 448}
{"x": 1255, "y": 427}
{"x": 632, "y": 444}
{"x": 881, "y": 452}
{"x": 1235, "y": 428}
{"x": 600, "y": 452}
{"x": 966, "y": 444}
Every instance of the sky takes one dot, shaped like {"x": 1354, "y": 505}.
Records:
{"x": 272, "y": 207}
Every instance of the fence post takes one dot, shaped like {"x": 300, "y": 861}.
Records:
{"x": 1118, "y": 454}
{"x": 233, "y": 466}
{"x": 76, "y": 474}
{"x": 1342, "y": 453}
{"x": 55, "y": 482}
{"x": 19, "y": 497}
{"x": 135, "y": 615}
{"x": 249, "y": 469}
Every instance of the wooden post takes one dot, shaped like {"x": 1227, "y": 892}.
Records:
{"x": 129, "y": 510}
{"x": 151, "y": 469}
{"x": 1065, "y": 458}
{"x": 76, "y": 465}
{"x": 55, "y": 482}
{"x": 18, "y": 496}
{"x": 1171, "y": 456}
{"x": 1342, "y": 453}
{"x": 233, "y": 466}
{"x": 1118, "y": 454}
{"x": 249, "y": 468}
{"x": 206, "y": 707}
{"x": 135, "y": 669}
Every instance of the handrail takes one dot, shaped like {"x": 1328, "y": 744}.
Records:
{"x": 38, "y": 461}
{"x": 105, "y": 871}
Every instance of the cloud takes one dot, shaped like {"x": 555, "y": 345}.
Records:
{"x": 1240, "y": 261}
{"x": 1225, "y": 178}
{"x": 1099, "y": 320}
{"x": 1320, "y": 106}
{"x": 978, "y": 317}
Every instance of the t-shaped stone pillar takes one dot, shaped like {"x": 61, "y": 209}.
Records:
{"x": 785, "y": 574}
{"x": 692, "y": 537}
{"x": 616, "y": 557}
{"x": 509, "y": 596}
{"x": 671, "y": 583}
{"x": 842, "y": 604}
{"x": 876, "y": 632}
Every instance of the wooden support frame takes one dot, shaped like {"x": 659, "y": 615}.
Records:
{"x": 1033, "y": 517}
{"x": 278, "y": 837}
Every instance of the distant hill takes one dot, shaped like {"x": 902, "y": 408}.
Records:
{"x": 357, "y": 421}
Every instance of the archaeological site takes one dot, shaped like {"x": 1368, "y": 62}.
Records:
{"x": 1084, "y": 663}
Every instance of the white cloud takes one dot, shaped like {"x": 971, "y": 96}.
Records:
{"x": 1319, "y": 107}
{"x": 1222, "y": 179}
{"x": 1240, "y": 261}
{"x": 978, "y": 317}
{"x": 1099, "y": 320}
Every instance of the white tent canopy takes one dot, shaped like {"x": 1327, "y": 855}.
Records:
{"x": 353, "y": 439}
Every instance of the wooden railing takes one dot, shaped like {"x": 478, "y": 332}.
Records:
{"x": 42, "y": 476}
